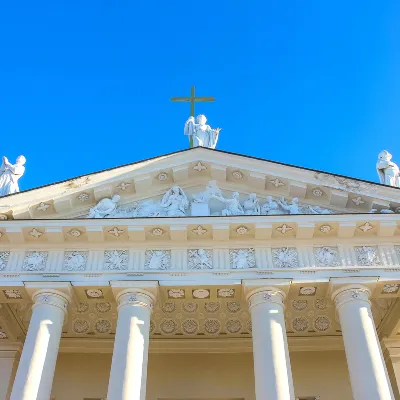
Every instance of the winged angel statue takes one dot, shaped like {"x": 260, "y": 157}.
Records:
{"x": 200, "y": 134}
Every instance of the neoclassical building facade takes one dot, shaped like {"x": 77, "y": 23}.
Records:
{"x": 201, "y": 275}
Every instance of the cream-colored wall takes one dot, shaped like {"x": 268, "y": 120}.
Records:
{"x": 217, "y": 376}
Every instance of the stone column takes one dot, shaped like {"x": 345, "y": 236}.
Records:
{"x": 392, "y": 357}
{"x": 8, "y": 367}
{"x": 34, "y": 377}
{"x": 129, "y": 362}
{"x": 272, "y": 371}
{"x": 368, "y": 375}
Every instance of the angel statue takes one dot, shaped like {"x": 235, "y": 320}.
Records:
{"x": 175, "y": 202}
{"x": 388, "y": 171}
{"x": 9, "y": 175}
{"x": 201, "y": 134}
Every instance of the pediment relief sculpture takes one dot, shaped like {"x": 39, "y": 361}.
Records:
{"x": 212, "y": 201}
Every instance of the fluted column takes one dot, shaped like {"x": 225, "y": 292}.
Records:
{"x": 34, "y": 378}
{"x": 129, "y": 363}
{"x": 368, "y": 375}
{"x": 272, "y": 370}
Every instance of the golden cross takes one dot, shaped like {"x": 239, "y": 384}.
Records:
{"x": 192, "y": 99}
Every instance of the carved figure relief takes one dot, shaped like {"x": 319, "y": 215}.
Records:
{"x": 327, "y": 257}
{"x": 157, "y": 259}
{"x": 285, "y": 257}
{"x": 35, "y": 261}
{"x": 116, "y": 260}
{"x": 104, "y": 207}
{"x": 4, "y": 256}
{"x": 242, "y": 258}
{"x": 75, "y": 261}
{"x": 200, "y": 259}
{"x": 251, "y": 206}
{"x": 367, "y": 256}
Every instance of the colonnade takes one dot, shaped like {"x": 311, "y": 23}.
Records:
{"x": 272, "y": 370}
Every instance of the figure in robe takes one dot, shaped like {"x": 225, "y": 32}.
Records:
{"x": 175, "y": 202}
{"x": 388, "y": 171}
{"x": 105, "y": 207}
{"x": 9, "y": 175}
{"x": 201, "y": 134}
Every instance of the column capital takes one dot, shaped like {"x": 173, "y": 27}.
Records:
{"x": 266, "y": 294}
{"x": 136, "y": 293}
{"x": 349, "y": 293}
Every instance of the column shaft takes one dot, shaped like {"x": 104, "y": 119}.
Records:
{"x": 34, "y": 378}
{"x": 272, "y": 370}
{"x": 367, "y": 369}
{"x": 129, "y": 363}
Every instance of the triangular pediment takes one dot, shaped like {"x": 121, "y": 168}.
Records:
{"x": 145, "y": 183}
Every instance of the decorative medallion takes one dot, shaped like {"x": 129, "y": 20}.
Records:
{"x": 83, "y": 197}
{"x": 325, "y": 228}
{"x": 322, "y": 323}
{"x": 35, "y": 261}
{"x": 226, "y": 293}
{"x": 189, "y": 307}
{"x": 176, "y": 294}
{"x": 233, "y": 306}
{"x": 123, "y": 186}
{"x": 116, "y": 232}
{"x": 94, "y": 293}
{"x": 285, "y": 257}
{"x": 12, "y": 294}
{"x": 358, "y": 201}
{"x": 211, "y": 306}
{"x": 199, "y": 231}
{"x": 317, "y": 192}
{"x": 157, "y": 232}
{"x": 82, "y": 307}
{"x": 168, "y": 307}
{"x": 276, "y": 182}
{"x": 42, "y": 207}
{"x": 80, "y": 325}
{"x": 212, "y": 326}
{"x": 320, "y": 304}
{"x": 300, "y": 324}
{"x": 237, "y": 175}
{"x": 102, "y": 326}
{"x": 3, "y": 335}
{"x": 168, "y": 326}
{"x": 284, "y": 228}
{"x": 307, "y": 291}
{"x": 157, "y": 260}
{"x": 103, "y": 307}
{"x": 75, "y": 261}
{"x": 200, "y": 259}
{"x": 233, "y": 325}
{"x": 201, "y": 293}
{"x": 190, "y": 326}
{"x": 367, "y": 256}
{"x": 116, "y": 260}
{"x": 75, "y": 232}
{"x": 327, "y": 257}
{"x": 162, "y": 176}
{"x": 299, "y": 305}
{"x": 4, "y": 256}
{"x": 242, "y": 258}
{"x": 199, "y": 167}
{"x": 35, "y": 233}
{"x": 242, "y": 230}
{"x": 390, "y": 288}
{"x": 366, "y": 227}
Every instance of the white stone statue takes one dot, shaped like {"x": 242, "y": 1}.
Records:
{"x": 9, "y": 175}
{"x": 233, "y": 206}
{"x": 251, "y": 206}
{"x": 271, "y": 207}
{"x": 291, "y": 208}
{"x": 201, "y": 133}
{"x": 104, "y": 207}
{"x": 212, "y": 191}
{"x": 318, "y": 210}
{"x": 175, "y": 202}
{"x": 388, "y": 171}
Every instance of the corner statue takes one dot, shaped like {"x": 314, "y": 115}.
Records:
{"x": 388, "y": 171}
{"x": 201, "y": 134}
{"x": 9, "y": 175}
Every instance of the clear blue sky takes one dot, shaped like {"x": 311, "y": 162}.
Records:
{"x": 85, "y": 85}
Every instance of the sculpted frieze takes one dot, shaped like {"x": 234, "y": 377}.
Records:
{"x": 212, "y": 201}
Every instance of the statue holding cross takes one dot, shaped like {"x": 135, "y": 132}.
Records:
{"x": 200, "y": 134}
